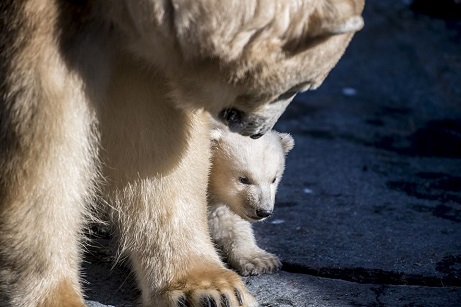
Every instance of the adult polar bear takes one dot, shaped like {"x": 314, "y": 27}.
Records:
{"x": 121, "y": 88}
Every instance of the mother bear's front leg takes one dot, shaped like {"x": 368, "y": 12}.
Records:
{"x": 162, "y": 231}
{"x": 156, "y": 160}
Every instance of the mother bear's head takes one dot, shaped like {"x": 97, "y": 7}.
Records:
{"x": 243, "y": 61}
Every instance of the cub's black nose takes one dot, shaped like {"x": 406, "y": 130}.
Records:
{"x": 262, "y": 213}
{"x": 256, "y": 136}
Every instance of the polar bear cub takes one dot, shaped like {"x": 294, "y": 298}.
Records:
{"x": 243, "y": 181}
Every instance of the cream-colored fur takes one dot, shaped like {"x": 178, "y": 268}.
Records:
{"x": 243, "y": 182}
{"x": 110, "y": 99}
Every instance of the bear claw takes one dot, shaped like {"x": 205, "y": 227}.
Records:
{"x": 182, "y": 302}
{"x": 238, "y": 296}
{"x": 224, "y": 301}
{"x": 208, "y": 302}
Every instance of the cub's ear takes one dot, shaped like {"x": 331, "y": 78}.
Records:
{"x": 287, "y": 141}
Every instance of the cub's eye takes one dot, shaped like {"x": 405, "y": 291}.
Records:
{"x": 275, "y": 179}
{"x": 244, "y": 180}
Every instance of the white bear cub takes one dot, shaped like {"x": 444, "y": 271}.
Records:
{"x": 243, "y": 181}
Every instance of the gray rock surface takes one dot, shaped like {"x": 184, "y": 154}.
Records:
{"x": 287, "y": 289}
{"x": 369, "y": 210}
{"x": 96, "y": 304}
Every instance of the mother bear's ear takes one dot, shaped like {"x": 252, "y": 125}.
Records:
{"x": 329, "y": 18}
{"x": 287, "y": 141}
{"x": 338, "y": 17}
{"x": 351, "y": 24}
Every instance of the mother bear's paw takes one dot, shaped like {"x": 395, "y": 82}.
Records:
{"x": 209, "y": 286}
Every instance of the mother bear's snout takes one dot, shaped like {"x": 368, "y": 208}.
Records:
{"x": 239, "y": 122}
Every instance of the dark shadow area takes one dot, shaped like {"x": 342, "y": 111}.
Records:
{"x": 444, "y": 9}
{"x": 380, "y": 277}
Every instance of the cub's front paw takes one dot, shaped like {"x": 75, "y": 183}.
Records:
{"x": 255, "y": 263}
{"x": 209, "y": 287}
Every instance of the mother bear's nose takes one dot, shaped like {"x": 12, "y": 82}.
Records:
{"x": 262, "y": 213}
{"x": 231, "y": 116}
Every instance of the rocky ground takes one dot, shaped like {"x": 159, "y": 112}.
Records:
{"x": 369, "y": 210}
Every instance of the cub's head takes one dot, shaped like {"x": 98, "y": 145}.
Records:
{"x": 243, "y": 61}
{"x": 245, "y": 173}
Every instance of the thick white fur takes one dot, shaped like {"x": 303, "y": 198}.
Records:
{"x": 233, "y": 204}
{"x": 117, "y": 93}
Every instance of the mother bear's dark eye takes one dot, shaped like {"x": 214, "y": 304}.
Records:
{"x": 286, "y": 95}
{"x": 244, "y": 180}
{"x": 301, "y": 87}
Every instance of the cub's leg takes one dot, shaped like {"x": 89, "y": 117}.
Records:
{"x": 234, "y": 237}
{"x": 46, "y": 167}
{"x": 157, "y": 160}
